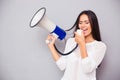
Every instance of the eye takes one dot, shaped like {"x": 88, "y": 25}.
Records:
{"x": 87, "y": 22}
{"x": 80, "y": 22}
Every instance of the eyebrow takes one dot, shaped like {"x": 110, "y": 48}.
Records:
{"x": 84, "y": 21}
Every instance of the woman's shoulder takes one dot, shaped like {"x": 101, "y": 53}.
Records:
{"x": 100, "y": 44}
{"x": 97, "y": 44}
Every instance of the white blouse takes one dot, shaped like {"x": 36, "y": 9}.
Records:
{"x": 77, "y": 68}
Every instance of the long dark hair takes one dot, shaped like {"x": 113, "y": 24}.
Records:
{"x": 93, "y": 22}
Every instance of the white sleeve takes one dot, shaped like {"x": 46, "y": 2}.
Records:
{"x": 61, "y": 63}
{"x": 90, "y": 63}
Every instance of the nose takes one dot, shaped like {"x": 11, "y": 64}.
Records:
{"x": 82, "y": 25}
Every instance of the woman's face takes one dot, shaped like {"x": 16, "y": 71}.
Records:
{"x": 84, "y": 25}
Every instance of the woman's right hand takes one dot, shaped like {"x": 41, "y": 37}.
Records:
{"x": 50, "y": 40}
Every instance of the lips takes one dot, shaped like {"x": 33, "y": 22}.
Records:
{"x": 84, "y": 30}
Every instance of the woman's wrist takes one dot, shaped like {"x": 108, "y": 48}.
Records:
{"x": 83, "y": 50}
{"x": 50, "y": 45}
{"x": 81, "y": 43}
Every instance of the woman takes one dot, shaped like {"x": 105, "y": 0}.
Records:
{"x": 82, "y": 63}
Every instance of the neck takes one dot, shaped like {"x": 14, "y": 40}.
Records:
{"x": 89, "y": 39}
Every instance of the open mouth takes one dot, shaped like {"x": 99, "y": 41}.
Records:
{"x": 84, "y": 30}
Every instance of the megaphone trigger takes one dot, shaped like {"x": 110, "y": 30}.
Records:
{"x": 47, "y": 41}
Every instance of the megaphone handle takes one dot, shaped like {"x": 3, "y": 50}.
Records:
{"x": 48, "y": 41}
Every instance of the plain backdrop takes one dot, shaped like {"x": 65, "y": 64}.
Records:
{"x": 24, "y": 54}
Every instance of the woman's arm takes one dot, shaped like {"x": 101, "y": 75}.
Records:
{"x": 60, "y": 60}
{"x": 90, "y": 63}
{"x": 81, "y": 42}
{"x": 55, "y": 54}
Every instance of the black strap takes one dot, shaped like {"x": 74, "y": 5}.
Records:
{"x": 67, "y": 52}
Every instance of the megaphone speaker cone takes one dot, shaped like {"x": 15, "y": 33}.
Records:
{"x": 37, "y": 17}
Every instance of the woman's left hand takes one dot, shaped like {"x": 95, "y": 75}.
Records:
{"x": 79, "y": 38}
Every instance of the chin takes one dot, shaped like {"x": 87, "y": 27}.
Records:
{"x": 86, "y": 34}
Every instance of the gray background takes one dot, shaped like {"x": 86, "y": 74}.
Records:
{"x": 23, "y": 52}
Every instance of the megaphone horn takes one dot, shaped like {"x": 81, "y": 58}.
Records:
{"x": 40, "y": 19}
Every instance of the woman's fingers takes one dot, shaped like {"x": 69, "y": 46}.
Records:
{"x": 79, "y": 37}
{"x": 50, "y": 39}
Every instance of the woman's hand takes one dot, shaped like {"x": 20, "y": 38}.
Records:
{"x": 79, "y": 38}
{"x": 51, "y": 40}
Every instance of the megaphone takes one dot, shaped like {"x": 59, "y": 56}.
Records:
{"x": 40, "y": 19}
